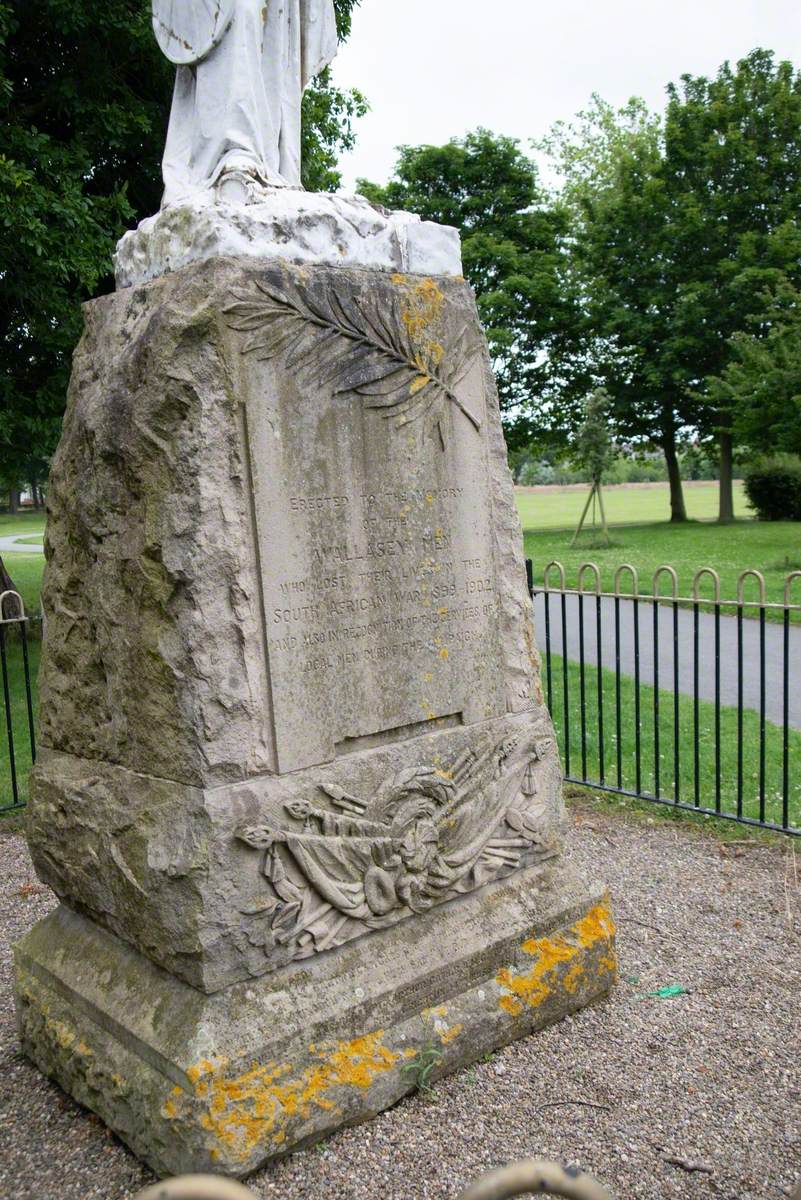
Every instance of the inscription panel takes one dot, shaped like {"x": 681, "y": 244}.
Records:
{"x": 376, "y": 555}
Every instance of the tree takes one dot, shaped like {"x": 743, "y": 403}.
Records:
{"x": 84, "y": 101}
{"x": 677, "y": 231}
{"x": 761, "y": 384}
{"x": 733, "y": 174}
{"x": 328, "y": 118}
{"x": 594, "y": 453}
{"x": 611, "y": 163}
{"x": 513, "y": 253}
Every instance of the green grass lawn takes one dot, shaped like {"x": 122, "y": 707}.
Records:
{"x": 25, "y": 569}
{"x": 19, "y": 720}
{"x": 26, "y": 572}
{"x": 561, "y": 509}
{"x": 772, "y": 547}
{"x": 582, "y": 759}
{"x": 26, "y": 524}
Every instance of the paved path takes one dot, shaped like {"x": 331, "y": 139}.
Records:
{"x": 774, "y": 657}
{"x": 12, "y": 545}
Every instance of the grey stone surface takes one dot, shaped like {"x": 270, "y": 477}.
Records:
{"x": 253, "y": 570}
{"x": 250, "y": 567}
{"x": 286, "y": 223}
{"x": 193, "y": 1082}
{"x": 223, "y": 884}
{"x": 295, "y": 763}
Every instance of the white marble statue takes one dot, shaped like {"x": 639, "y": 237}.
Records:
{"x": 232, "y": 161}
{"x": 242, "y": 68}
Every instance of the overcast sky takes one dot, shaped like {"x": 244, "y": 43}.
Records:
{"x": 433, "y": 69}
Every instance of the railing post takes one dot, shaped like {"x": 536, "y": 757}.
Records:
{"x": 12, "y": 613}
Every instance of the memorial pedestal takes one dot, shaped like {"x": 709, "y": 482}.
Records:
{"x": 298, "y": 791}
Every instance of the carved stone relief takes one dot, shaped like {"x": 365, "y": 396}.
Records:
{"x": 389, "y": 355}
{"x": 431, "y": 833}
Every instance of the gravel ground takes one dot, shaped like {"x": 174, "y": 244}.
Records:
{"x": 712, "y": 1077}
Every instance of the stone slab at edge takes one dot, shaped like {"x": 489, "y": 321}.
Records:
{"x": 306, "y": 228}
{"x": 225, "y": 1082}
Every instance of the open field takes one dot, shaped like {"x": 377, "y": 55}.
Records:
{"x": 561, "y": 508}
{"x": 642, "y": 536}
{"x": 25, "y": 524}
{"x": 773, "y": 547}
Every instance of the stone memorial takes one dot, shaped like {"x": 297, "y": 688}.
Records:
{"x": 298, "y": 792}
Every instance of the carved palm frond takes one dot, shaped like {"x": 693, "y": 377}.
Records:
{"x": 383, "y": 364}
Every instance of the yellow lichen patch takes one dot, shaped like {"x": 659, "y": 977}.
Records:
{"x": 443, "y": 652}
{"x": 204, "y": 1067}
{"x": 438, "y": 1010}
{"x": 528, "y": 989}
{"x": 422, "y": 302}
{"x": 170, "y": 1110}
{"x": 571, "y": 977}
{"x": 451, "y": 1034}
{"x": 246, "y": 1109}
{"x": 61, "y": 1032}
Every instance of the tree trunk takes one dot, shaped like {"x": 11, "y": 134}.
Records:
{"x": 13, "y": 500}
{"x": 726, "y": 489}
{"x": 678, "y": 510}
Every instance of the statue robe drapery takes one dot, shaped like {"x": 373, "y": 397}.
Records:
{"x": 239, "y": 107}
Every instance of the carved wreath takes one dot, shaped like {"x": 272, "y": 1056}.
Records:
{"x": 393, "y": 372}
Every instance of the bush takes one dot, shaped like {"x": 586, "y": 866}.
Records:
{"x": 773, "y": 487}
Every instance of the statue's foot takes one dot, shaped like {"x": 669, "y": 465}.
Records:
{"x": 245, "y": 185}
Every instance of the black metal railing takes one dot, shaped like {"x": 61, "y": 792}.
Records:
{"x": 669, "y": 698}
{"x": 18, "y": 742}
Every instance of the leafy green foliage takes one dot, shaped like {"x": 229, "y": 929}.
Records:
{"x": 513, "y": 252}
{"x": 761, "y": 384}
{"x": 774, "y": 488}
{"x": 328, "y": 127}
{"x": 84, "y": 103}
{"x": 734, "y": 176}
{"x": 611, "y": 162}
{"x": 733, "y": 173}
{"x": 422, "y": 1066}
{"x": 678, "y": 227}
{"x": 593, "y": 450}
{"x": 83, "y": 100}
